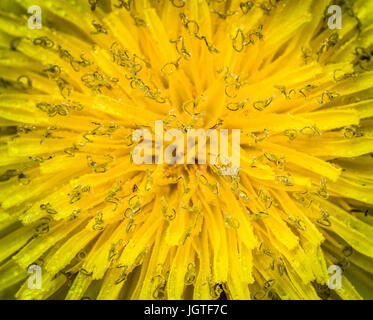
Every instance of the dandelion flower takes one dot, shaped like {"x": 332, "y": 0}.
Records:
{"x": 101, "y": 227}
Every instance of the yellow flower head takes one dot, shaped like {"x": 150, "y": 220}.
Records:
{"x": 79, "y": 78}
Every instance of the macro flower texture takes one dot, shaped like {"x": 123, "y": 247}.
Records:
{"x": 74, "y": 205}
